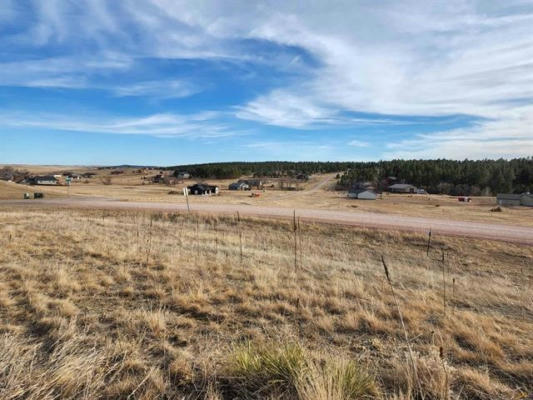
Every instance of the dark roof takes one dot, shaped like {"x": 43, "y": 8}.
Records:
{"x": 203, "y": 186}
{"x": 238, "y": 184}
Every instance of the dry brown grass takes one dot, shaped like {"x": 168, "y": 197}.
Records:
{"x": 95, "y": 304}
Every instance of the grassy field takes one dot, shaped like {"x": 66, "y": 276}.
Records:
{"x": 317, "y": 193}
{"x": 100, "y": 305}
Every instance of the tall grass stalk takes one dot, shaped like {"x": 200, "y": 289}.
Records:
{"x": 407, "y": 341}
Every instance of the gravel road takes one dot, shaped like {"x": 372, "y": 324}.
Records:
{"x": 511, "y": 233}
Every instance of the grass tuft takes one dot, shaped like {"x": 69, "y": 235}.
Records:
{"x": 289, "y": 371}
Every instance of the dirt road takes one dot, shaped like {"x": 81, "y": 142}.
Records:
{"x": 518, "y": 234}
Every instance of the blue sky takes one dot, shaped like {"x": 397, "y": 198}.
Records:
{"x": 171, "y": 82}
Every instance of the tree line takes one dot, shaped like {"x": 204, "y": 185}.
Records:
{"x": 470, "y": 178}
{"x": 481, "y": 177}
{"x": 272, "y": 169}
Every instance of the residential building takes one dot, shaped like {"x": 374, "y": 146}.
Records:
{"x": 42, "y": 180}
{"x": 239, "y": 186}
{"x": 362, "y": 194}
{"x": 203, "y": 188}
{"x": 402, "y": 188}
{"x": 510, "y": 199}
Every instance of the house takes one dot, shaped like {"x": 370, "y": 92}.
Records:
{"x": 508, "y": 199}
{"x": 74, "y": 177}
{"x": 402, "y": 188}
{"x": 157, "y": 178}
{"x": 203, "y": 188}
{"x": 42, "y": 180}
{"x": 362, "y": 194}
{"x": 526, "y": 199}
{"x": 182, "y": 175}
{"x": 239, "y": 186}
{"x": 253, "y": 183}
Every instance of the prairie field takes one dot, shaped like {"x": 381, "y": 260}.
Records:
{"x": 103, "y": 305}
{"x": 317, "y": 193}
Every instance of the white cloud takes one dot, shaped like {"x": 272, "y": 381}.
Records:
{"x": 283, "y": 109}
{"x": 358, "y": 143}
{"x": 506, "y": 137}
{"x": 199, "y": 125}
{"x": 161, "y": 89}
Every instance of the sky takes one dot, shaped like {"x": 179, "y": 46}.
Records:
{"x": 167, "y": 82}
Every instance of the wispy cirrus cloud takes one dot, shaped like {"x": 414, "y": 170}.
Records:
{"x": 160, "y": 89}
{"x": 502, "y": 137}
{"x": 358, "y": 143}
{"x": 199, "y": 125}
